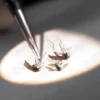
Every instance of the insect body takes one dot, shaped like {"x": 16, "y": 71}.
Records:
{"x": 56, "y": 66}
{"x": 36, "y": 67}
{"x": 59, "y": 56}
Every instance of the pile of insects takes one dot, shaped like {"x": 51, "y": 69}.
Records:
{"x": 55, "y": 61}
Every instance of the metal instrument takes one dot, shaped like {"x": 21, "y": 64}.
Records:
{"x": 19, "y": 16}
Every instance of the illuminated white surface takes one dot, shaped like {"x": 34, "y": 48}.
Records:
{"x": 84, "y": 56}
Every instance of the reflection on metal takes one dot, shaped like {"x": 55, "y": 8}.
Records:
{"x": 27, "y": 33}
{"x": 84, "y": 56}
{"x": 19, "y": 16}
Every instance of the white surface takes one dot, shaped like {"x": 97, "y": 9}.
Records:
{"x": 83, "y": 57}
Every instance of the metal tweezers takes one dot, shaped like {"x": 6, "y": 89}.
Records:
{"x": 18, "y": 14}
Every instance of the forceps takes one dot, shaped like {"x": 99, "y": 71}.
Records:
{"x": 19, "y": 16}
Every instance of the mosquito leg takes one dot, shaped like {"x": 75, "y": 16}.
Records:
{"x": 52, "y": 45}
{"x": 50, "y": 69}
{"x": 56, "y": 53}
{"x": 67, "y": 49}
{"x": 60, "y": 44}
{"x": 64, "y": 66}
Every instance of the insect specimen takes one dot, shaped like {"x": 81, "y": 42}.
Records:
{"x": 59, "y": 56}
{"x": 35, "y": 67}
{"x": 56, "y": 66}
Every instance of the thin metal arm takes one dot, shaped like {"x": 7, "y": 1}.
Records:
{"x": 18, "y": 14}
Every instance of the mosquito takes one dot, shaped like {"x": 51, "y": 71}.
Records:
{"x": 59, "y": 56}
{"x": 56, "y": 66}
{"x": 35, "y": 67}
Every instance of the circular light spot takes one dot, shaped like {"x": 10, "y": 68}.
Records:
{"x": 84, "y": 56}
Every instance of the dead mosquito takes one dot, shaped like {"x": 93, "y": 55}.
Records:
{"x": 56, "y": 66}
{"x": 35, "y": 67}
{"x": 59, "y": 56}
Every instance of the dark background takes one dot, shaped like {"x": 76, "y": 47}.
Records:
{"x": 31, "y": 2}
{"x": 75, "y": 15}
